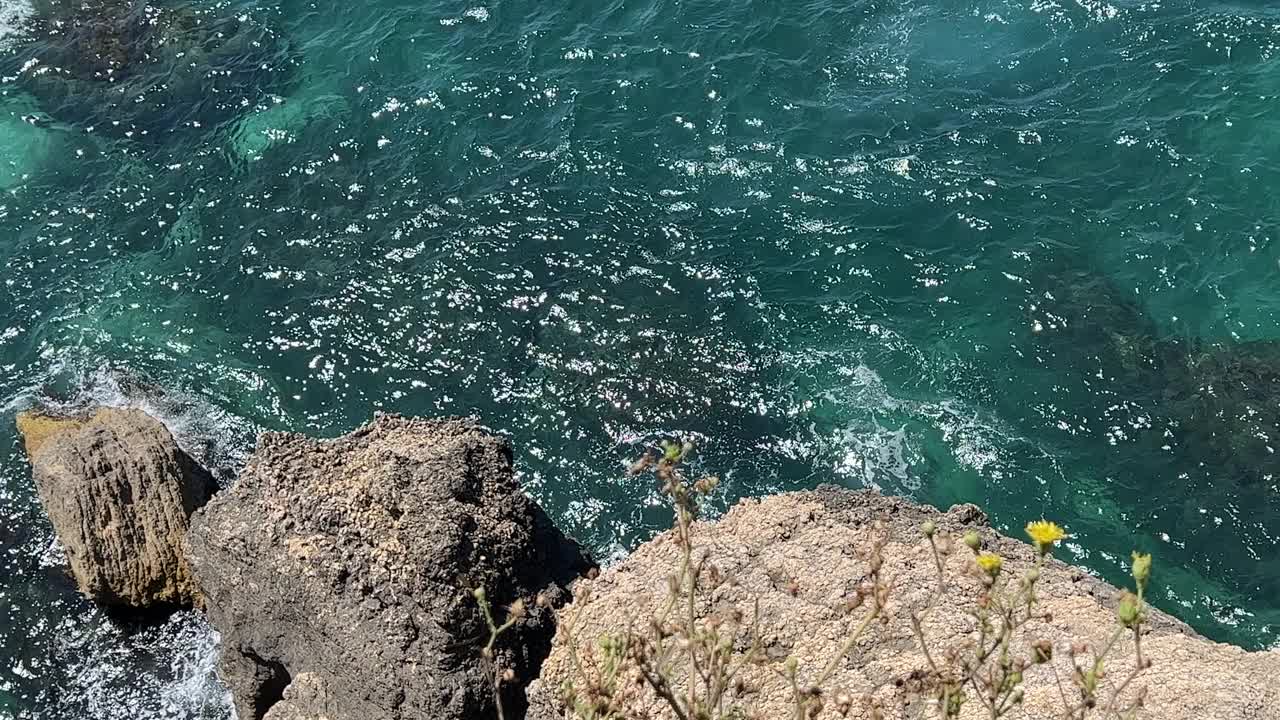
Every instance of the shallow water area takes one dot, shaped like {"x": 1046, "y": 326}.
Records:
{"x": 962, "y": 253}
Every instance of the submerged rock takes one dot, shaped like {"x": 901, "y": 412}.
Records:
{"x": 340, "y": 573}
{"x": 119, "y": 492}
{"x": 1225, "y": 401}
{"x": 1217, "y": 405}
{"x": 130, "y": 69}
{"x": 1086, "y": 319}
{"x": 801, "y": 557}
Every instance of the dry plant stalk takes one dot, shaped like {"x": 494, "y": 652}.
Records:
{"x": 693, "y": 665}
{"x": 497, "y": 675}
{"x": 990, "y": 667}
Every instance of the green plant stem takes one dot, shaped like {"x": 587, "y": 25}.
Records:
{"x": 917, "y": 620}
{"x": 495, "y": 630}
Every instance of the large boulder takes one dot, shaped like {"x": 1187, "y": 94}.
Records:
{"x": 120, "y": 493}
{"x": 340, "y": 574}
{"x": 802, "y": 555}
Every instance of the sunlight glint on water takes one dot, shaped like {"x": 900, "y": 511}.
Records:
{"x": 920, "y": 247}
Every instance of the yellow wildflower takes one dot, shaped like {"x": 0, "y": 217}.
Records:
{"x": 990, "y": 563}
{"x": 1045, "y": 534}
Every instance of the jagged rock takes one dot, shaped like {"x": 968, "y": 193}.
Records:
{"x": 119, "y": 492}
{"x": 340, "y": 573}
{"x": 802, "y": 556}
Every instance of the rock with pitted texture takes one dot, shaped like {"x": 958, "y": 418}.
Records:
{"x": 119, "y": 493}
{"x": 340, "y": 574}
{"x": 801, "y": 557}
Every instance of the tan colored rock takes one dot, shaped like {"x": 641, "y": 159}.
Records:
{"x": 37, "y": 427}
{"x": 801, "y": 555}
{"x": 119, "y": 493}
{"x": 306, "y": 698}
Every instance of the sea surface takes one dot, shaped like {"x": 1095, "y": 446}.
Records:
{"x": 961, "y": 251}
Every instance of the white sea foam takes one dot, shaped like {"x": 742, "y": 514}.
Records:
{"x": 105, "y": 678}
{"x": 217, "y": 439}
{"x": 878, "y": 439}
{"x": 14, "y": 15}
{"x": 166, "y": 672}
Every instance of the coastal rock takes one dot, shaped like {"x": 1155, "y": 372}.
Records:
{"x": 340, "y": 574}
{"x": 119, "y": 492}
{"x": 801, "y": 555}
{"x": 306, "y": 698}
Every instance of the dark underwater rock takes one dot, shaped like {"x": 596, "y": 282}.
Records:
{"x": 1225, "y": 400}
{"x": 131, "y": 69}
{"x": 1088, "y": 320}
{"x": 340, "y": 573}
{"x": 119, "y": 492}
{"x": 1219, "y": 401}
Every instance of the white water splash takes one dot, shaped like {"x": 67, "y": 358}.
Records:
{"x": 216, "y": 438}
{"x": 14, "y": 15}
{"x": 165, "y": 672}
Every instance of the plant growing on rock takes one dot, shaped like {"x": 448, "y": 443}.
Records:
{"x": 690, "y": 664}
{"x": 497, "y": 674}
{"x": 701, "y": 651}
{"x": 695, "y": 664}
{"x": 989, "y": 668}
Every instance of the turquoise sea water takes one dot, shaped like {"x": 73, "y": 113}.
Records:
{"x": 958, "y": 251}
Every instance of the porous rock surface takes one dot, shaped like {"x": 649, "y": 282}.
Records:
{"x": 802, "y": 555}
{"x": 340, "y": 572}
{"x": 119, "y": 493}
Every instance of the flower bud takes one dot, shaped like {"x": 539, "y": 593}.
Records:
{"x": 973, "y": 540}
{"x": 1041, "y": 652}
{"x": 517, "y": 610}
{"x": 1141, "y": 569}
{"x": 1127, "y": 611}
{"x": 929, "y": 527}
